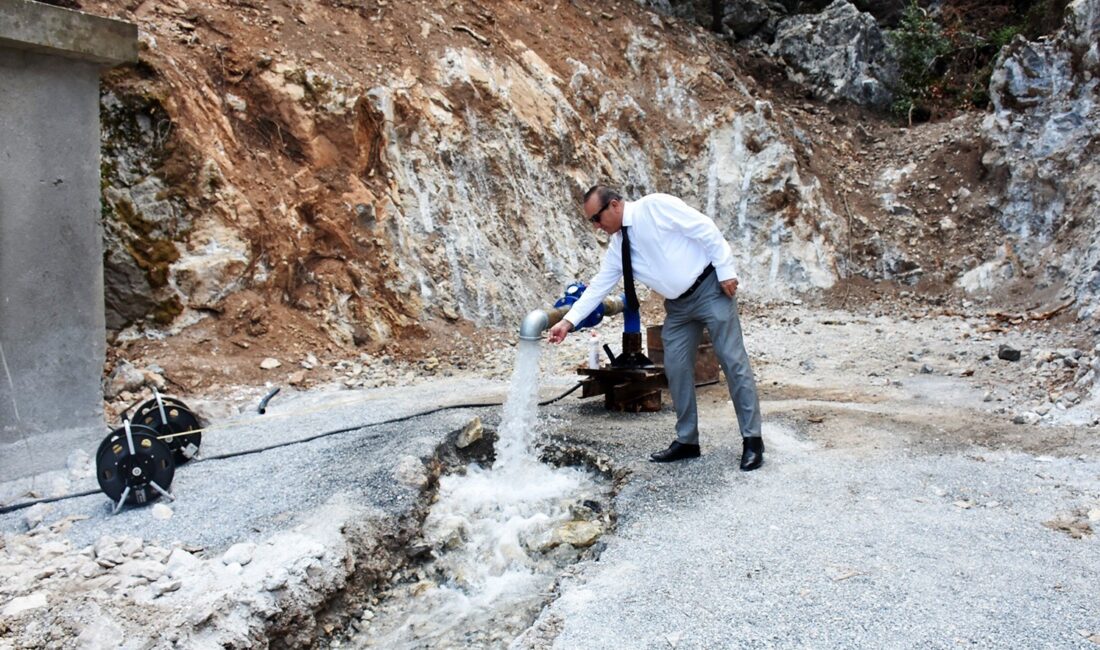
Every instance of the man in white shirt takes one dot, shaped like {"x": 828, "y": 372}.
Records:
{"x": 678, "y": 252}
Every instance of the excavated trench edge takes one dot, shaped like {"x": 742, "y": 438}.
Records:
{"x": 382, "y": 562}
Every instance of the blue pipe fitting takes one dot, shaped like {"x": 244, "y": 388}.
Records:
{"x": 632, "y": 320}
{"x": 572, "y": 294}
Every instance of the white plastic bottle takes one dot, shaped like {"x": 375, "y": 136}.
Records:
{"x": 594, "y": 351}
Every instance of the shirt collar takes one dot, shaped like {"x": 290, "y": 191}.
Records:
{"x": 628, "y": 213}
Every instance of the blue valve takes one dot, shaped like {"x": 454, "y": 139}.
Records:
{"x": 632, "y": 318}
{"x": 572, "y": 294}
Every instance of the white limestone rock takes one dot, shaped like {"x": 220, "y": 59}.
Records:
{"x": 181, "y": 563}
{"x": 579, "y": 534}
{"x": 239, "y": 553}
{"x": 35, "y": 514}
{"x": 149, "y": 570}
{"x": 107, "y": 552}
{"x": 470, "y": 434}
{"x": 21, "y": 604}
{"x": 125, "y": 377}
{"x": 411, "y": 471}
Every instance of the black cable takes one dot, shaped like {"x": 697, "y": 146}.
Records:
{"x": 26, "y": 504}
{"x": 262, "y": 408}
{"x": 325, "y": 434}
{"x": 389, "y": 421}
{"x": 551, "y": 401}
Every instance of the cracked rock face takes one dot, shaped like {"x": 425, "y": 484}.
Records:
{"x": 1042, "y": 138}
{"x": 452, "y": 192}
{"x": 369, "y": 206}
{"x": 841, "y": 53}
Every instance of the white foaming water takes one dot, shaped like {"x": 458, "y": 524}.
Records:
{"x": 517, "y": 427}
{"x": 491, "y": 530}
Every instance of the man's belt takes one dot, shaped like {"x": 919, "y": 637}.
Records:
{"x": 699, "y": 280}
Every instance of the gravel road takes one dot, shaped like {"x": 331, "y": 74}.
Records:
{"x": 897, "y": 508}
{"x": 841, "y": 548}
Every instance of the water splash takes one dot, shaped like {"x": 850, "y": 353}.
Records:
{"x": 492, "y": 530}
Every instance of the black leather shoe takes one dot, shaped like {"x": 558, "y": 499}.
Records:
{"x": 753, "y": 454}
{"x": 676, "y": 451}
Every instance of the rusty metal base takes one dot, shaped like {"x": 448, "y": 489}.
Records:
{"x": 633, "y": 381}
{"x": 633, "y": 390}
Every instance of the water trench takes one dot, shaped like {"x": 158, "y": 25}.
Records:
{"x": 494, "y": 541}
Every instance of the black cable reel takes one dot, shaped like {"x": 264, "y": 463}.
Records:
{"x": 136, "y": 462}
{"x": 174, "y": 423}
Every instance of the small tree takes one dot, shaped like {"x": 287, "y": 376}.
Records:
{"x": 919, "y": 44}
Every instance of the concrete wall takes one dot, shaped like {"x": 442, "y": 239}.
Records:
{"x": 51, "y": 249}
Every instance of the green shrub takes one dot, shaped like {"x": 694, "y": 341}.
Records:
{"x": 919, "y": 44}
{"x": 1004, "y": 36}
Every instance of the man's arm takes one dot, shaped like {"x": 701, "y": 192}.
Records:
{"x": 611, "y": 269}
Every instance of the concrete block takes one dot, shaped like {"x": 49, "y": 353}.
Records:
{"x": 37, "y": 27}
{"x": 52, "y": 325}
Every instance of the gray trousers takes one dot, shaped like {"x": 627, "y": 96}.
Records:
{"x": 708, "y": 306}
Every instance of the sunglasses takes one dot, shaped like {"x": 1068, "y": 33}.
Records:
{"x": 596, "y": 217}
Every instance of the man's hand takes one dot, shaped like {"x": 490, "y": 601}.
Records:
{"x": 560, "y": 331}
{"x": 729, "y": 286}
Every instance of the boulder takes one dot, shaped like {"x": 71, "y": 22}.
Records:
{"x": 741, "y": 19}
{"x": 20, "y": 604}
{"x": 161, "y": 511}
{"x": 149, "y": 570}
{"x": 125, "y": 377}
{"x": 239, "y": 553}
{"x": 410, "y": 471}
{"x": 579, "y": 534}
{"x": 840, "y": 53}
{"x": 470, "y": 434}
{"x": 752, "y": 18}
{"x": 181, "y": 563}
{"x": 1008, "y": 353}
{"x": 107, "y": 553}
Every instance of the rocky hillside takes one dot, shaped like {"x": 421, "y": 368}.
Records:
{"x": 295, "y": 178}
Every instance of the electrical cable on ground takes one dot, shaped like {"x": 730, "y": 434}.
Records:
{"x": 26, "y": 504}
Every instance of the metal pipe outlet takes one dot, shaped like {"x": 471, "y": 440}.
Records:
{"x": 541, "y": 319}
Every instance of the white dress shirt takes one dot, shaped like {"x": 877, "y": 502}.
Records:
{"x": 670, "y": 245}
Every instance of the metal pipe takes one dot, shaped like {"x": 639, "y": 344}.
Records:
{"x": 541, "y": 319}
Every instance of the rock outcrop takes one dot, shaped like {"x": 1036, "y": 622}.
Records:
{"x": 302, "y": 168}
{"x": 841, "y": 53}
{"x": 449, "y": 191}
{"x": 1042, "y": 141}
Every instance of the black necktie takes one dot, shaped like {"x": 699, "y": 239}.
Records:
{"x": 628, "y": 274}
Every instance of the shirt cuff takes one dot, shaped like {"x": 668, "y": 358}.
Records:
{"x": 726, "y": 272}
